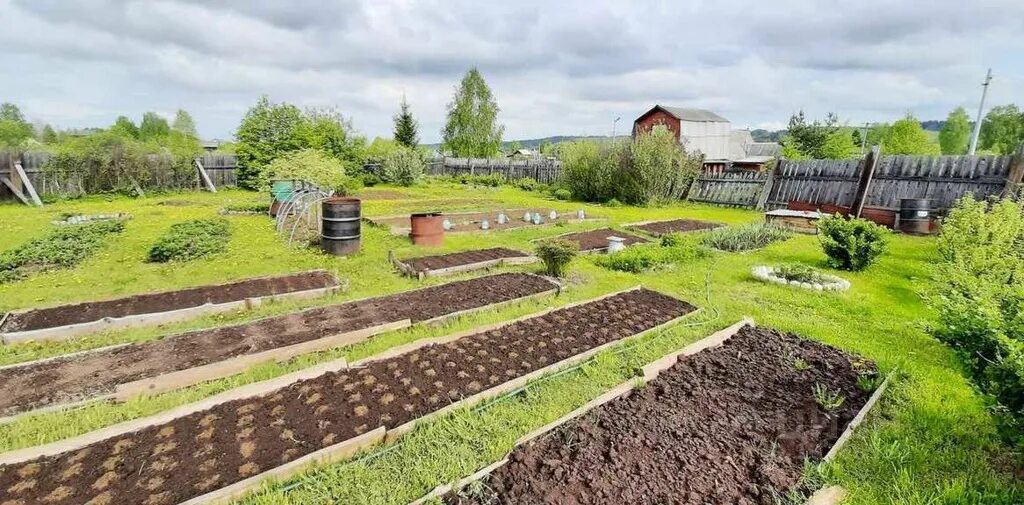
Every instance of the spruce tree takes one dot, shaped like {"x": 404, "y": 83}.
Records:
{"x": 406, "y": 127}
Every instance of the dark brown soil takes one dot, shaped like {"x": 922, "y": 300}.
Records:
{"x": 170, "y": 300}
{"x": 597, "y": 240}
{"x": 676, "y": 226}
{"x": 71, "y": 379}
{"x": 211, "y": 449}
{"x": 729, "y": 425}
{"x": 427, "y": 263}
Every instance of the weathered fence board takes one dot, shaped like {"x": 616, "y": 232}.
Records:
{"x": 732, "y": 187}
{"x": 160, "y": 175}
{"x": 834, "y": 183}
{"x": 542, "y": 170}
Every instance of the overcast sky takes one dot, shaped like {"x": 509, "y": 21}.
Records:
{"x": 557, "y": 68}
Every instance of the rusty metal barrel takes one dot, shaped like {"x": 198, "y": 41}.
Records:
{"x": 341, "y": 230}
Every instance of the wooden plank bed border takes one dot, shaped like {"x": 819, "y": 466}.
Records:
{"x": 652, "y": 369}
{"x": 157, "y": 318}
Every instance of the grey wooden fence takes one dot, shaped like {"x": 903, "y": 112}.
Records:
{"x": 542, "y": 170}
{"x": 834, "y": 183}
{"x": 161, "y": 175}
{"x": 732, "y": 187}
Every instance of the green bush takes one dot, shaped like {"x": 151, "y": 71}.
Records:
{"x": 673, "y": 239}
{"x": 851, "y": 244}
{"x": 589, "y": 169}
{"x": 800, "y": 273}
{"x": 403, "y": 167}
{"x": 614, "y": 202}
{"x": 310, "y": 165}
{"x": 63, "y": 247}
{"x": 642, "y": 258}
{"x": 527, "y": 184}
{"x": 492, "y": 180}
{"x": 562, "y": 194}
{"x": 979, "y": 295}
{"x": 556, "y": 254}
{"x": 191, "y": 240}
{"x": 657, "y": 169}
{"x": 370, "y": 180}
{"x": 745, "y": 238}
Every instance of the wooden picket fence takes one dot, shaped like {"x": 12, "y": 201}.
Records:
{"x": 875, "y": 181}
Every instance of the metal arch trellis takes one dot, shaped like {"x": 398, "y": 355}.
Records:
{"x": 300, "y": 211}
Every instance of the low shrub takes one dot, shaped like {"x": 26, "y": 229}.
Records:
{"x": 556, "y": 254}
{"x": 562, "y": 194}
{"x": 403, "y": 167}
{"x": 745, "y": 238}
{"x": 491, "y": 180}
{"x": 800, "y": 273}
{"x": 851, "y": 244}
{"x": 672, "y": 239}
{"x": 526, "y": 184}
{"x": 191, "y": 240}
{"x": 63, "y": 247}
{"x": 247, "y": 208}
{"x": 370, "y": 180}
{"x": 641, "y": 258}
{"x": 979, "y": 295}
{"x": 614, "y": 202}
{"x": 310, "y": 165}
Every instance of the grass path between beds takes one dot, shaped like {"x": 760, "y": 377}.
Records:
{"x": 931, "y": 440}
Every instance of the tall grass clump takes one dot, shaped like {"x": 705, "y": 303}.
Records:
{"x": 556, "y": 254}
{"x": 191, "y": 240}
{"x": 64, "y": 247}
{"x": 746, "y": 237}
{"x": 979, "y": 294}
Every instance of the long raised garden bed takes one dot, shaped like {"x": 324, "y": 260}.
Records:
{"x": 734, "y": 424}
{"x": 66, "y": 321}
{"x": 453, "y": 263}
{"x": 595, "y": 241}
{"x": 659, "y": 228}
{"x": 224, "y": 449}
{"x": 179, "y": 360}
{"x": 470, "y": 221}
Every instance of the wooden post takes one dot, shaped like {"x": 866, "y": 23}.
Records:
{"x": 27, "y": 184}
{"x": 870, "y": 163}
{"x": 766, "y": 190}
{"x": 1016, "y": 171}
{"x": 205, "y": 176}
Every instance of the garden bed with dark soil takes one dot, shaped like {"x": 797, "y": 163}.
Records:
{"x": 597, "y": 240}
{"x": 464, "y": 259}
{"x": 733, "y": 424}
{"x": 69, "y": 379}
{"x": 659, "y": 228}
{"x": 210, "y": 449}
{"x": 166, "y": 301}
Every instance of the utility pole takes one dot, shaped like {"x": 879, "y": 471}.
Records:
{"x": 864, "y": 139}
{"x": 614, "y": 124}
{"x": 981, "y": 107}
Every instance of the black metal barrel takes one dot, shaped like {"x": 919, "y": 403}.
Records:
{"x": 915, "y": 216}
{"x": 341, "y": 233}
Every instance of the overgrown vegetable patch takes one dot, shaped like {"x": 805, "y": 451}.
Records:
{"x": 64, "y": 247}
{"x": 191, "y": 240}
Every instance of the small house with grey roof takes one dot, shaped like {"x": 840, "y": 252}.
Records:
{"x": 711, "y": 134}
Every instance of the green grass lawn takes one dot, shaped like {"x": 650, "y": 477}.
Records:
{"x": 931, "y": 440}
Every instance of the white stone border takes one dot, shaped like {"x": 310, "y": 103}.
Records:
{"x": 832, "y": 283}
